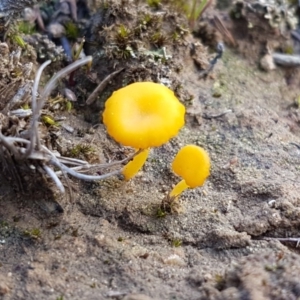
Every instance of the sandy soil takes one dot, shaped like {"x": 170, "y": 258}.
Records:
{"x": 106, "y": 239}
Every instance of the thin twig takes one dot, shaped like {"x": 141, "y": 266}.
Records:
{"x": 72, "y": 161}
{"x": 223, "y": 30}
{"x": 84, "y": 177}
{"x": 52, "y": 175}
{"x": 59, "y": 75}
{"x": 8, "y": 145}
{"x": 34, "y": 130}
{"x": 209, "y": 117}
{"x": 37, "y": 106}
{"x": 101, "y": 87}
{"x": 89, "y": 167}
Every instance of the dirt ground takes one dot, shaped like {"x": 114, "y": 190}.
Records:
{"x": 106, "y": 240}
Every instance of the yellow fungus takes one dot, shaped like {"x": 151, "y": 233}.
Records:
{"x": 135, "y": 164}
{"x": 143, "y": 115}
{"x": 192, "y": 163}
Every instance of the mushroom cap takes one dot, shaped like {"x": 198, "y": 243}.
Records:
{"x": 143, "y": 115}
{"x": 192, "y": 163}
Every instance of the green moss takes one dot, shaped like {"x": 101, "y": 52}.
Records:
{"x": 147, "y": 20}
{"x": 122, "y": 53}
{"x": 122, "y": 34}
{"x": 220, "y": 281}
{"x": 289, "y": 50}
{"x": 17, "y": 39}
{"x": 176, "y": 243}
{"x": 25, "y": 27}
{"x": 105, "y": 5}
{"x": 150, "y": 20}
{"x": 81, "y": 150}
{"x": 3, "y": 224}
{"x": 72, "y": 31}
{"x": 175, "y": 36}
{"x": 154, "y": 3}
{"x": 158, "y": 39}
{"x": 161, "y": 213}
{"x": 33, "y": 233}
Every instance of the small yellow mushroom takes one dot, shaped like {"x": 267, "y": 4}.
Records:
{"x": 135, "y": 164}
{"x": 142, "y": 115}
{"x": 192, "y": 163}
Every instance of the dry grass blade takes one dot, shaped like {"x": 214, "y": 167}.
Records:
{"x": 223, "y": 30}
{"x": 197, "y": 11}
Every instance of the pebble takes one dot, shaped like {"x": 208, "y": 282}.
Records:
{"x": 267, "y": 63}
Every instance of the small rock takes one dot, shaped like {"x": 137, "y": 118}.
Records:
{"x": 174, "y": 260}
{"x": 56, "y": 30}
{"x": 267, "y": 63}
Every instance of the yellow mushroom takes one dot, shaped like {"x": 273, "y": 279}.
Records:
{"x": 142, "y": 115}
{"x": 192, "y": 163}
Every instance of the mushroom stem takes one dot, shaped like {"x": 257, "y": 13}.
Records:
{"x": 135, "y": 164}
{"x": 179, "y": 188}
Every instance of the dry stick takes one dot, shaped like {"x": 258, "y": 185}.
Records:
{"x": 37, "y": 106}
{"x": 286, "y": 60}
{"x": 14, "y": 139}
{"x": 284, "y": 240}
{"x": 39, "y": 18}
{"x": 99, "y": 166}
{"x": 34, "y": 131}
{"x": 5, "y": 142}
{"x": 59, "y": 75}
{"x": 52, "y": 174}
{"x": 80, "y": 176}
{"x": 72, "y": 161}
{"x": 101, "y": 87}
{"x": 55, "y": 162}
